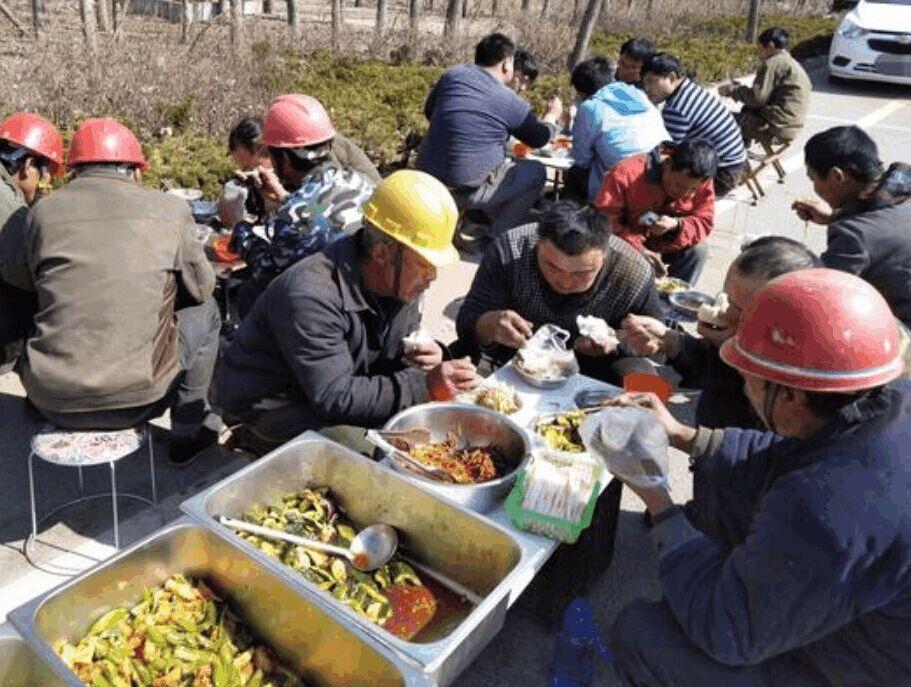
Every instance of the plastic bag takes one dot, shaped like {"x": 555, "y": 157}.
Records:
{"x": 545, "y": 354}
{"x": 631, "y": 442}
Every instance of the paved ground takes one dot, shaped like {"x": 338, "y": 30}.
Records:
{"x": 521, "y": 651}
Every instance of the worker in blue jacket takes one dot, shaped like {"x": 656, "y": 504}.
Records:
{"x": 797, "y": 569}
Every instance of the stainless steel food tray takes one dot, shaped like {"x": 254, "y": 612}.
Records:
{"x": 323, "y": 648}
{"x": 20, "y": 666}
{"x": 469, "y": 549}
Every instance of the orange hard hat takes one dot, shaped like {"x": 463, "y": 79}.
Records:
{"x": 818, "y": 330}
{"x": 105, "y": 140}
{"x": 35, "y": 133}
{"x": 296, "y": 121}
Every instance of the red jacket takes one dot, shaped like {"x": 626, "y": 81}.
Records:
{"x": 633, "y": 188}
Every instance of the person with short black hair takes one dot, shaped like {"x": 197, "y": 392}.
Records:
{"x": 634, "y": 55}
{"x": 722, "y": 402}
{"x": 663, "y": 204}
{"x": 549, "y": 272}
{"x": 525, "y": 69}
{"x": 239, "y": 197}
{"x": 473, "y": 113}
{"x": 775, "y": 107}
{"x": 690, "y": 111}
{"x": 867, "y": 210}
{"x": 614, "y": 121}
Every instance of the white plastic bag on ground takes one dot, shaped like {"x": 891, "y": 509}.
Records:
{"x": 632, "y": 443}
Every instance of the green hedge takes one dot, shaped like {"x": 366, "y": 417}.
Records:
{"x": 379, "y": 103}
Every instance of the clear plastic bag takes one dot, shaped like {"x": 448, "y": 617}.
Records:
{"x": 545, "y": 354}
{"x": 632, "y": 443}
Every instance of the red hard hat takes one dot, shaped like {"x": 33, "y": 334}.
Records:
{"x": 819, "y": 330}
{"x": 296, "y": 121}
{"x": 105, "y": 140}
{"x": 34, "y": 132}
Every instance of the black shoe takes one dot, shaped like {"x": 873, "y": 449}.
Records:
{"x": 182, "y": 452}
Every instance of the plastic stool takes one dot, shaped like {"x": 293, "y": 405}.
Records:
{"x": 80, "y": 449}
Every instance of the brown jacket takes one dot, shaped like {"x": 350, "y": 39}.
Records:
{"x": 780, "y": 93}
{"x": 345, "y": 154}
{"x": 108, "y": 260}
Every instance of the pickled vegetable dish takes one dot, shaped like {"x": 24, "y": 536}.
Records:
{"x": 393, "y": 596}
{"x": 180, "y": 635}
{"x": 562, "y": 431}
{"x": 502, "y": 399}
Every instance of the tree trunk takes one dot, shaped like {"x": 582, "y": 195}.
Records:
{"x": 267, "y": 7}
{"x": 429, "y": 5}
{"x": 87, "y": 14}
{"x": 38, "y": 17}
{"x": 544, "y": 8}
{"x": 526, "y": 6}
{"x": 380, "y": 17}
{"x": 414, "y": 14}
{"x": 336, "y": 22}
{"x": 104, "y": 16}
{"x": 495, "y": 8}
{"x": 586, "y": 28}
{"x": 648, "y": 9}
{"x": 358, "y": 3}
{"x": 294, "y": 21}
{"x": 184, "y": 21}
{"x": 453, "y": 17}
{"x": 575, "y": 17}
{"x": 753, "y": 21}
{"x": 464, "y": 9}
{"x": 237, "y": 25}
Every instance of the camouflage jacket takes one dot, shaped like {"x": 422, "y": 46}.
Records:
{"x": 328, "y": 205}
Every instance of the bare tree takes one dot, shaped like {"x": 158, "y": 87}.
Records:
{"x": 544, "y": 8}
{"x": 358, "y": 3}
{"x": 87, "y": 14}
{"x": 586, "y": 28}
{"x": 237, "y": 25}
{"x": 380, "y": 17}
{"x": 184, "y": 21}
{"x": 294, "y": 20}
{"x": 38, "y": 17}
{"x": 104, "y": 16}
{"x": 453, "y": 17}
{"x": 526, "y": 6}
{"x": 464, "y": 9}
{"x": 753, "y": 21}
{"x": 267, "y": 7}
{"x": 495, "y": 8}
{"x": 414, "y": 14}
{"x": 336, "y": 22}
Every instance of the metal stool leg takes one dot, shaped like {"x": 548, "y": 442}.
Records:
{"x": 152, "y": 464}
{"x": 114, "y": 504}
{"x": 81, "y": 483}
{"x": 31, "y": 491}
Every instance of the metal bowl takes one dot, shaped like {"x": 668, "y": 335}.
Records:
{"x": 690, "y": 301}
{"x": 477, "y": 426}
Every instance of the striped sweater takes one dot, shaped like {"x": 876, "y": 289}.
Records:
{"x": 693, "y": 112}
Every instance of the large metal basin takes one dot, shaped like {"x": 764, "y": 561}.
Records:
{"x": 451, "y": 540}
{"x": 321, "y": 648}
{"x": 20, "y": 666}
{"x": 477, "y": 426}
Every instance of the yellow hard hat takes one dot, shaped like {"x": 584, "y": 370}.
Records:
{"x": 418, "y": 211}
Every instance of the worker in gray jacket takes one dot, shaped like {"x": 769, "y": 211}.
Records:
{"x": 126, "y": 326}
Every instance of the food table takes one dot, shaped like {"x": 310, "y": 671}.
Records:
{"x": 557, "y": 161}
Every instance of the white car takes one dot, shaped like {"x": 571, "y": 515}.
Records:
{"x": 873, "y": 43}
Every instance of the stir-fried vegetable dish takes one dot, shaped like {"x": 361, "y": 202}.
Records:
{"x": 502, "y": 399}
{"x": 180, "y": 635}
{"x": 392, "y": 596}
{"x": 562, "y": 431}
{"x": 469, "y": 465}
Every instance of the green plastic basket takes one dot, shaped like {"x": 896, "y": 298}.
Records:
{"x": 554, "y": 528}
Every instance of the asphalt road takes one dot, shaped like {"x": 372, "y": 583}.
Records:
{"x": 520, "y": 653}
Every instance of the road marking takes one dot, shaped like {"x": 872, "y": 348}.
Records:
{"x": 842, "y": 120}
{"x": 794, "y": 162}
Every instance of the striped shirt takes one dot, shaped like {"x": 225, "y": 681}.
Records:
{"x": 692, "y": 112}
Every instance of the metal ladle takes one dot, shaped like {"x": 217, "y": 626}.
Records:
{"x": 373, "y": 547}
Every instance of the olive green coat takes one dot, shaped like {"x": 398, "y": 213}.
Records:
{"x": 109, "y": 260}
{"x": 780, "y": 95}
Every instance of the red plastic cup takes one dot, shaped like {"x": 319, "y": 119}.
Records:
{"x": 642, "y": 381}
